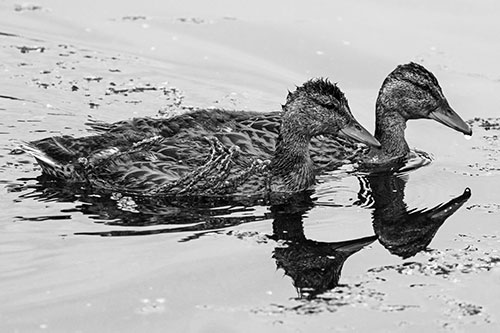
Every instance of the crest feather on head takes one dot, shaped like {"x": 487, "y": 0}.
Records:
{"x": 318, "y": 86}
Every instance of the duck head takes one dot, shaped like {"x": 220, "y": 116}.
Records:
{"x": 319, "y": 107}
{"x": 413, "y": 92}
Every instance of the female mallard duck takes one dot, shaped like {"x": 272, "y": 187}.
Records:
{"x": 408, "y": 92}
{"x": 206, "y": 151}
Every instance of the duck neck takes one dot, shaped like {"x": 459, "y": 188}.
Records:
{"x": 291, "y": 166}
{"x": 390, "y": 132}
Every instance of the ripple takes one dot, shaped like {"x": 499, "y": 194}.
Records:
{"x": 486, "y": 123}
{"x": 447, "y": 264}
{"x": 488, "y": 146}
{"x": 418, "y": 159}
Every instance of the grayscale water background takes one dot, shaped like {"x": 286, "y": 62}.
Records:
{"x": 73, "y": 262}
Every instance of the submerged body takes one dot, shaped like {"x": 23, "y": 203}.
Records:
{"x": 205, "y": 151}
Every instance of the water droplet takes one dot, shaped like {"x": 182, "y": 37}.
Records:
{"x": 467, "y": 137}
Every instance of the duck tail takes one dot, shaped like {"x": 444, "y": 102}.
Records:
{"x": 49, "y": 165}
{"x": 98, "y": 126}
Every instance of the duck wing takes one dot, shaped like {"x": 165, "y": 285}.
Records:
{"x": 183, "y": 164}
{"x": 146, "y": 167}
{"x": 262, "y": 127}
{"x": 211, "y": 120}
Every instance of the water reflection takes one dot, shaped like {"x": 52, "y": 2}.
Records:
{"x": 314, "y": 266}
{"x": 131, "y": 214}
{"x": 401, "y": 230}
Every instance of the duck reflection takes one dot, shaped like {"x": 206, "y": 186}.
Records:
{"x": 129, "y": 215}
{"x": 314, "y": 266}
{"x": 402, "y": 231}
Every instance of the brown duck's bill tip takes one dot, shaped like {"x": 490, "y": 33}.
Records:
{"x": 358, "y": 133}
{"x": 446, "y": 116}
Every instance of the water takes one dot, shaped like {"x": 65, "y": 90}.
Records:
{"x": 413, "y": 251}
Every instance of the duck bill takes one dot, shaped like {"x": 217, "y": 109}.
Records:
{"x": 446, "y": 116}
{"x": 353, "y": 246}
{"x": 358, "y": 133}
{"x": 443, "y": 211}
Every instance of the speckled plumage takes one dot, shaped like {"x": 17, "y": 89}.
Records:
{"x": 205, "y": 151}
{"x": 409, "y": 92}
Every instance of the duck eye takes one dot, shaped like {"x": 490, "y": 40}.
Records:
{"x": 328, "y": 104}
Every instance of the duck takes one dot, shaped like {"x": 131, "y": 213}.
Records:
{"x": 205, "y": 151}
{"x": 409, "y": 92}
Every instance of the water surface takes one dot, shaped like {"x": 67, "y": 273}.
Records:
{"x": 406, "y": 252}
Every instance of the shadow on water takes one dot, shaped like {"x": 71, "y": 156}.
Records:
{"x": 314, "y": 266}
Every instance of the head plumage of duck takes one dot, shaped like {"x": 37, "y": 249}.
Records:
{"x": 410, "y": 92}
{"x": 317, "y": 107}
